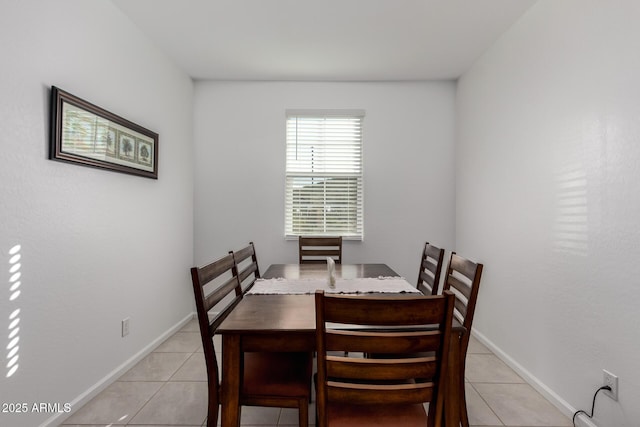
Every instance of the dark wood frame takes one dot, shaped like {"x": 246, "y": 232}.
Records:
{"x": 122, "y": 128}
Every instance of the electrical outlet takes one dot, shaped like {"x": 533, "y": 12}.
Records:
{"x": 125, "y": 327}
{"x": 608, "y": 379}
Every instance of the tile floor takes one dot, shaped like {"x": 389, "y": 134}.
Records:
{"x": 168, "y": 388}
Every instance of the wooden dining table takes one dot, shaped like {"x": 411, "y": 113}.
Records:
{"x": 287, "y": 323}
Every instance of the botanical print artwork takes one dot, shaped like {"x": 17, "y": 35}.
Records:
{"x": 145, "y": 153}
{"x": 86, "y": 134}
{"x": 127, "y": 147}
{"x": 110, "y": 143}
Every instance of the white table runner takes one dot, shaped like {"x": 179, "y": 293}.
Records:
{"x": 365, "y": 285}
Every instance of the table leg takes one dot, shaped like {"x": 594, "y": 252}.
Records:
{"x": 230, "y": 390}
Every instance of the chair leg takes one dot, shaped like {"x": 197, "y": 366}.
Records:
{"x": 464, "y": 419}
{"x": 214, "y": 403}
{"x": 464, "y": 416}
{"x": 431, "y": 415}
{"x": 303, "y": 413}
{"x": 212, "y": 415}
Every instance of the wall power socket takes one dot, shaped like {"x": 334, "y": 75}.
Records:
{"x": 125, "y": 326}
{"x": 608, "y": 379}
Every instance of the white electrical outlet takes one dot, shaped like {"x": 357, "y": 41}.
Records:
{"x": 125, "y": 326}
{"x": 608, "y": 379}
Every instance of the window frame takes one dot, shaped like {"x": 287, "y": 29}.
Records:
{"x": 340, "y": 189}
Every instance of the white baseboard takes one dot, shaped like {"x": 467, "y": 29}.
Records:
{"x": 533, "y": 381}
{"x": 112, "y": 376}
{"x": 583, "y": 421}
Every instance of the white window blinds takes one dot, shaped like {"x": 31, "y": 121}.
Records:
{"x": 324, "y": 174}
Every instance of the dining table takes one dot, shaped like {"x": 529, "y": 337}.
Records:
{"x": 274, "y": 316}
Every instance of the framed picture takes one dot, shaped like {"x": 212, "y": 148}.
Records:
{"x": 85, "y": 134}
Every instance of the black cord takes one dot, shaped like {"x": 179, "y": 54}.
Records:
{"x": 593, "y": 405}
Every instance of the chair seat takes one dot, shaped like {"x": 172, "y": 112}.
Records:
{"x": 346, "y": 415}
{"x": 281, "y": 374}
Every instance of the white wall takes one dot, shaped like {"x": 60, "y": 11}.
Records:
{"x": 547, "y": 197}
{"x": 408, "y": 165}
{"x": 97, "y": 246}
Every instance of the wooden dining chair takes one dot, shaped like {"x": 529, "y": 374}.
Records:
{"x": 355, "y": 391}
{"x": 246, "y": 266}
{"x": 463, "y": 279}
{"x": 274, "y": 379}
{"x": 430, "y": 269}
{"x": 315, "y": 250}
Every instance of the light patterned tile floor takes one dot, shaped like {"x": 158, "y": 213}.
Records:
{"x": 168, "y": 388}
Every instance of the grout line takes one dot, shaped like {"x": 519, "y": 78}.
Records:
{"x": 487, "y": 403}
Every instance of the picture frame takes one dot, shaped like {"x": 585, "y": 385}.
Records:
{"x": 88, "y": 135}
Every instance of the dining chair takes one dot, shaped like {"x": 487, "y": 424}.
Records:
{"x": 246, "y": 266}
{"x": 430, "y": 269}
{"x": 463, "y": 279}
{"x": 356, "y": 391}
{"x": 275, "y": 379}
{"x": 315, "y": 250}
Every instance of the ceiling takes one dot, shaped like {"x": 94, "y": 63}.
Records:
{"x": 327, "y": 40}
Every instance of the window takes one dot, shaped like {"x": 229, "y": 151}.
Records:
{"x": 323, "y": 194}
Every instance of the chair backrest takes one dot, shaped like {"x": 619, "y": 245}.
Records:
{"x": 430, "y": 269}
{"x": 215, "y": 287}
{"x": 246, "y": 266}
{"x": 390, "y": 325}
{"x": 315, "y": 250}
{"x": 463, "y": 279}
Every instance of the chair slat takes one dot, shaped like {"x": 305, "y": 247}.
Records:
{"x": 243, "y": 253}
{"x": 319, "y": 252}
{"x": 426, "y": 278}
{"x": 311, "y": 249}
{"x": 221, "y": 292}
{"x": 461, "y": 308}
{"x": 247, "y": 272}
{"x": 389, "y": 311}
{"x": 460, "y": 286}
{"x": 383, "y": 342}
{"x": 215, "y": 269}
{"x": 359, "y": 394}
{"x": 464, "y": 266}
{"x": 381, "y": 369}
{"x": 321, "y": 241}
{"x": 428, "y": 264}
